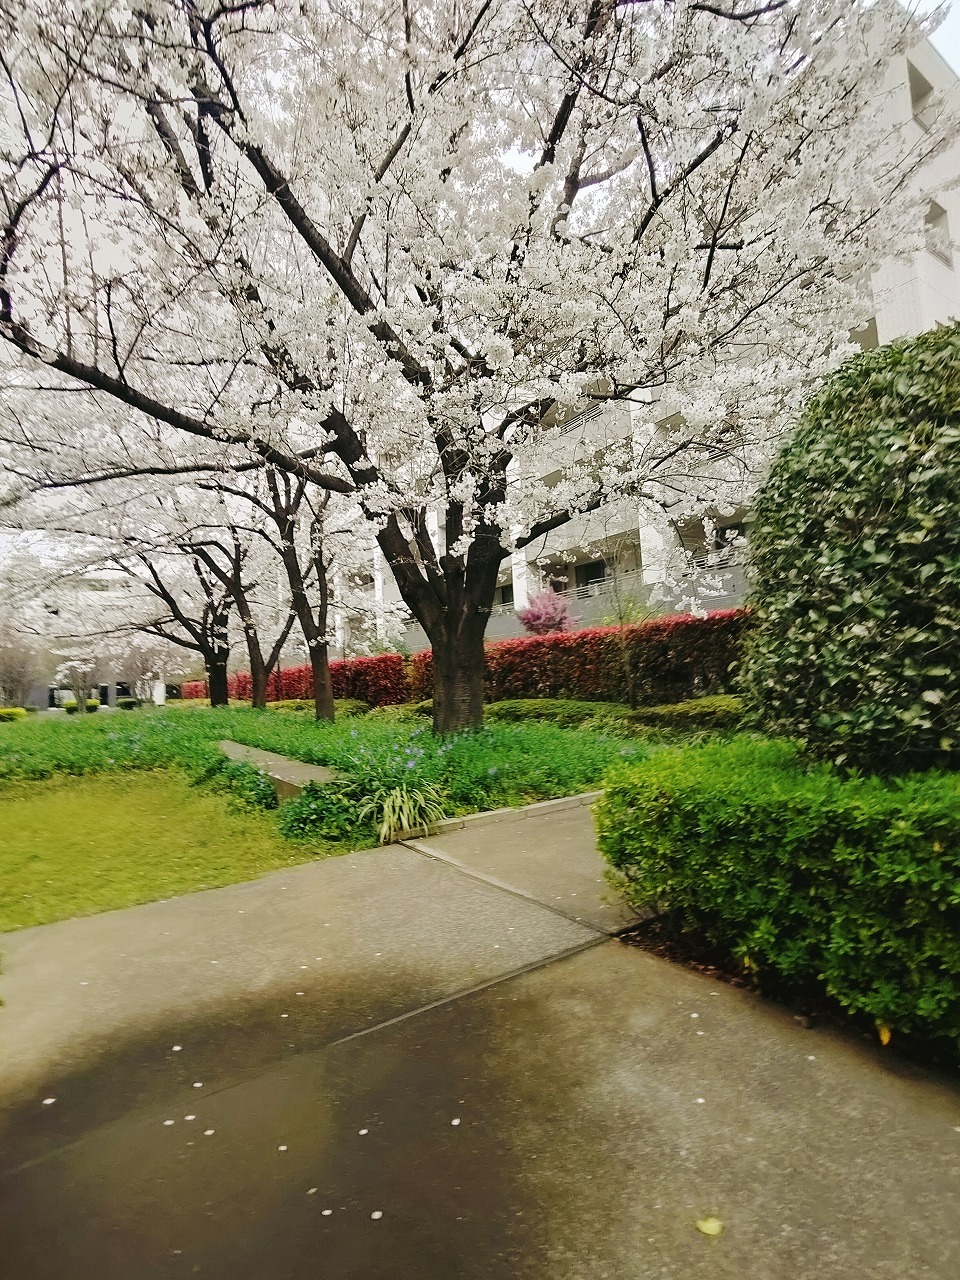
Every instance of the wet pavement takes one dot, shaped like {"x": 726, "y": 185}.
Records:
{"x": 525, "y": 856}
{"x": 568, "y": 1111}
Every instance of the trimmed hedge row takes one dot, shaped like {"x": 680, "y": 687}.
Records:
{"x": 671, "y": 660}
{"x": 718, "y": 711}
{"x": 380, "y": 681}
{"x": 815, "y": 877}
{"x": 715, "y": 711}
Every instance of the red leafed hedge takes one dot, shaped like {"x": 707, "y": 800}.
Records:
{"x": 671, "y": 658}
{"x": 380, "y": 681}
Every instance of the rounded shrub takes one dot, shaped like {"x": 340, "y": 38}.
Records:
{"x": 856, "y": 565}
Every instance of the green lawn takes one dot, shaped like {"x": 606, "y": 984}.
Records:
{"x": 74, "y": 846}
{"x": 103, "y": 811}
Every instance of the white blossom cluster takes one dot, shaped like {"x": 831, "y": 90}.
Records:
{"x": 388, "y": 248}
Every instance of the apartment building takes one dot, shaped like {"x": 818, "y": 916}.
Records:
{"x": 610, "y": 564}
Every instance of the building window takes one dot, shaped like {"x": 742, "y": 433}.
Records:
{"x": 921, "y": 96}
{"x": 938, "y": 233}
{"x": 587, "y": 574}
{"x": 504, "y": 594}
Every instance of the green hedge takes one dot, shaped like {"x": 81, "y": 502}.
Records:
{"x": 717, "y": 711}
{"x": 803, "y": 874}
{"x": 569, "y": 712}
{"x": 341, "y": 706}
{"x": 12, "y": 713}
{"x": 855, "y": 557}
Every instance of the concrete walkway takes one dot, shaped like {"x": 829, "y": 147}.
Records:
{"x": 434, "y": 1061}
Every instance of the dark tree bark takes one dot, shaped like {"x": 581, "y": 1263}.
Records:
{"x": 230, "y": 574}
{"x": 458, "y": 675}
{"x": 206, "y": 634}
{"x": 215, "y": 662}
{"x": 313, "y": 623}
{"x": 285, "y": 502}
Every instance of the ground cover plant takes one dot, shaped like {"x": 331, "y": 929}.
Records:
{"x": 716, "y": 712}
{"x": 393, "y": 768}
{"x": 800, "y": 873}
{"x": 73, "y": 846}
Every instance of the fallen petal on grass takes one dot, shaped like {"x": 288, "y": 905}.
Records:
{"x": 709, "y": 1226}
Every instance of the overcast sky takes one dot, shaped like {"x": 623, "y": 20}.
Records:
{"x": 947, "y": 39}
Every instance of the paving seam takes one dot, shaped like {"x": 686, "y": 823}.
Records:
{"x": 464, "y": 993}
{"x": 531, "y": 967}
{"x": 449, "y": 861}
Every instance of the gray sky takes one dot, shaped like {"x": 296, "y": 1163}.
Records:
{"x": 947, "y": 39}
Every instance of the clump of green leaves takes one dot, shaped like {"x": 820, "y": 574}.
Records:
{"x": 856, "y": 565}
{"x": 403, "y": 808}
{"x": 249, "y": 788}
{"x": 325, "y": 812}
{"x": 804, "y": 874}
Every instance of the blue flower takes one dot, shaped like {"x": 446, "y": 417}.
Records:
{"x": 411, "y": 764}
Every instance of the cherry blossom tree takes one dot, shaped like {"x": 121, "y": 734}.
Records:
{"x": 387, "y": 249}
{"x": 548, "y": 611}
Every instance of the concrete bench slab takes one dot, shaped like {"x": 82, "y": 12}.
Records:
{"x": 289, "y": 777}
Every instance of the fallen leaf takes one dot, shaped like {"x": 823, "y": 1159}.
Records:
{"x": 709, "y": 1226}
{"x": 884, "y": 1032}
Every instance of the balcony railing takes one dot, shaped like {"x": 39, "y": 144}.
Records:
{"x": 584, "y": 416}
{"x": 624, "y": 584}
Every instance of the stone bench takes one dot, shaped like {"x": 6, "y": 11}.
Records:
{"x": 289, "y": 777}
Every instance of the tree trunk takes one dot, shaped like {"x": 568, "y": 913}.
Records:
{"x": 258, "y": 673}
{"x": 628, "y": 674}
{"x": 313, "y": 628}
{"x": 458, "y": 673}
{"x": 216, "y": 665}
{"x": 322, "y": 682}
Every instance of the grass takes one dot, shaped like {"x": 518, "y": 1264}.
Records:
{"x": 73, "y": 846}
{"x": 99, "y": 812}
{"x": 502, "y": 764}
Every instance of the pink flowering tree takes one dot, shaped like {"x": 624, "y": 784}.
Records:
{"x": 547, "y": 612}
